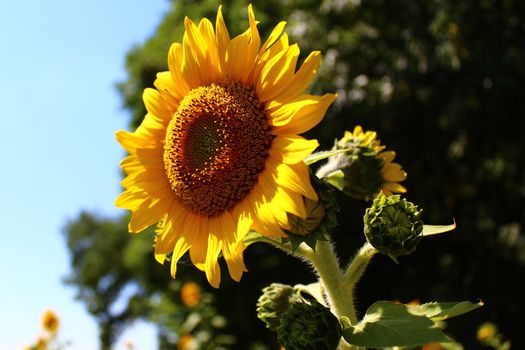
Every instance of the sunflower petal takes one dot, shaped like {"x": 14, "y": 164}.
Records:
{"x": 292, "y": 149}
{"x": 387, "y": 156}
{"x": 147, "y": 214}
{"x": 392, "y": 172}
{"x": 295, "y": 177}
{"x": 222, "y": 38}
{"x": 175, "y": 58}
{"x": 301, "y": 114}
{"x": 276, "y": 74}
{"x": 394, "y": 187}
{"x": 300, "y": 81}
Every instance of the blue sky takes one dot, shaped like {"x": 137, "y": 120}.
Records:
{"x": 59, "y": 61}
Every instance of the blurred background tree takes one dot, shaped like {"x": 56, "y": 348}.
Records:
{"x": 442, "y": 81}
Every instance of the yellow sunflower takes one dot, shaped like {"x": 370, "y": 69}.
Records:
{"x": 218, "y": 152}
{"x": 391, "y": 173}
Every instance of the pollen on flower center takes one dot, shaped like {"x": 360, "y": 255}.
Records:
{"x": 216, "y": 146}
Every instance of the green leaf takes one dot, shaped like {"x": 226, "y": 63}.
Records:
{"x": 442, "y": 311}
{"x": 315, "y": 157}
{"x": 429, "y": 230}
{"x": 314, "y": 289}
{"x": 387, "y": 325}
{"x": 336, "y": 179}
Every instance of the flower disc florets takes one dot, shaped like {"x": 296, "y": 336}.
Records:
{"x": 216, "y": 146}
{"x": 393, "y": 225}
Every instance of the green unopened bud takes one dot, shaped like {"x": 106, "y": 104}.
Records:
{"x": 309, "y": 326}
{"x": 320, "y": 217}
{"x": 393, "y": 225}
{"x": 275, "y": 301}
{"x": 362, "y": 177}
{"x": 315, "y": 212}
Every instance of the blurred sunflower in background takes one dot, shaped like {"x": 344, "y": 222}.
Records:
{"x": 218, "y": 152}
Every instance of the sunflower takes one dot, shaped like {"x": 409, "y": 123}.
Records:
{"x": 218, "y": 152}
{"x": 364, "y": 169}
{"x": 391, "y": 173}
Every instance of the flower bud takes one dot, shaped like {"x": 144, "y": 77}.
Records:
{"x": 364, "y": 169}
{"x": 275, "y": 300}
{"x": 309, "y": 326}
{"x": 393, "y": 225}
{"x": 321, "y": 217}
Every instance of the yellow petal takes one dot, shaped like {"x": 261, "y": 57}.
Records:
{"x": 277, "y": 73}
{"x": 147, "y": 214}
{"x": 268, "y": 188}
{"x": 199, "y": 226}
{"x": 157, "y": 105}
{"x": 190, "y": 66}
{"x": 131, "y": 141}
{"x": 172, "y": 229}
{"x": 273, "y": 37}
{"x": 239, "y": 59}
{"x": 290, "y": 201}
{"x": 392, "y": 172}
{"x": 292, "y": 149}
{"x": 300, "y": 81}
{"x": 175, "y": 58}
{"x": 264, "y": 219}
{"x": 232, "y": 248}
{"x": 387, "y": 156}
{"x": 296, "y": 177}
{"x": 212, "y": 52}
{"x": 222, "y": 38}
{"x": 132, "y": 164}
{"x": 212, "y": 269}
{"x": 182, "y": 245}
{"x": 165, "y": 85}
{"x": 281, "y": 45}
{"x": 241, "y": 52}
{"x": 394, "y": 187}
{"x": 300, "y": 115}
{"x": 130, "y": 199}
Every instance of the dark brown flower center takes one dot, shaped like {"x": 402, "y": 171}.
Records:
{"x": 216, "y": 146}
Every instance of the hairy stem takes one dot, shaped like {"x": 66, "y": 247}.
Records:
{"x": 355, "y": 270}
{"x": 327, "y": 266}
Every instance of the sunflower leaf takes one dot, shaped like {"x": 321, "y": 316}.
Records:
{"x": 429, "y": 230}
{"x": 315, "y": 157}
{"x": 387, "y": 325}
{"x": 442, "y": 311}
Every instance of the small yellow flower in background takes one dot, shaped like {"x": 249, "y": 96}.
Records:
{"x": 190, "y": 294}
{"x": 50, "y": 321}
{"x": 433, "y": 346}
{"x": 487, "y": 331}
{"x": 186, "y": 342}
{"x": 219, "y": 151}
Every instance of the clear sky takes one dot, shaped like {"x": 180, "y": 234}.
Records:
{"x": 59, "y": 60}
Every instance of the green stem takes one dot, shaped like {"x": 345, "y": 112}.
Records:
{"x": 327, "y": 266}
{"x": 355, "y": 270}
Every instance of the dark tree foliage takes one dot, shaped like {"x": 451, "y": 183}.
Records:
{"x": 442, "y": 82}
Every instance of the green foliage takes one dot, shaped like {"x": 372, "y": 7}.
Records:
{"x": 387, "y": 324}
